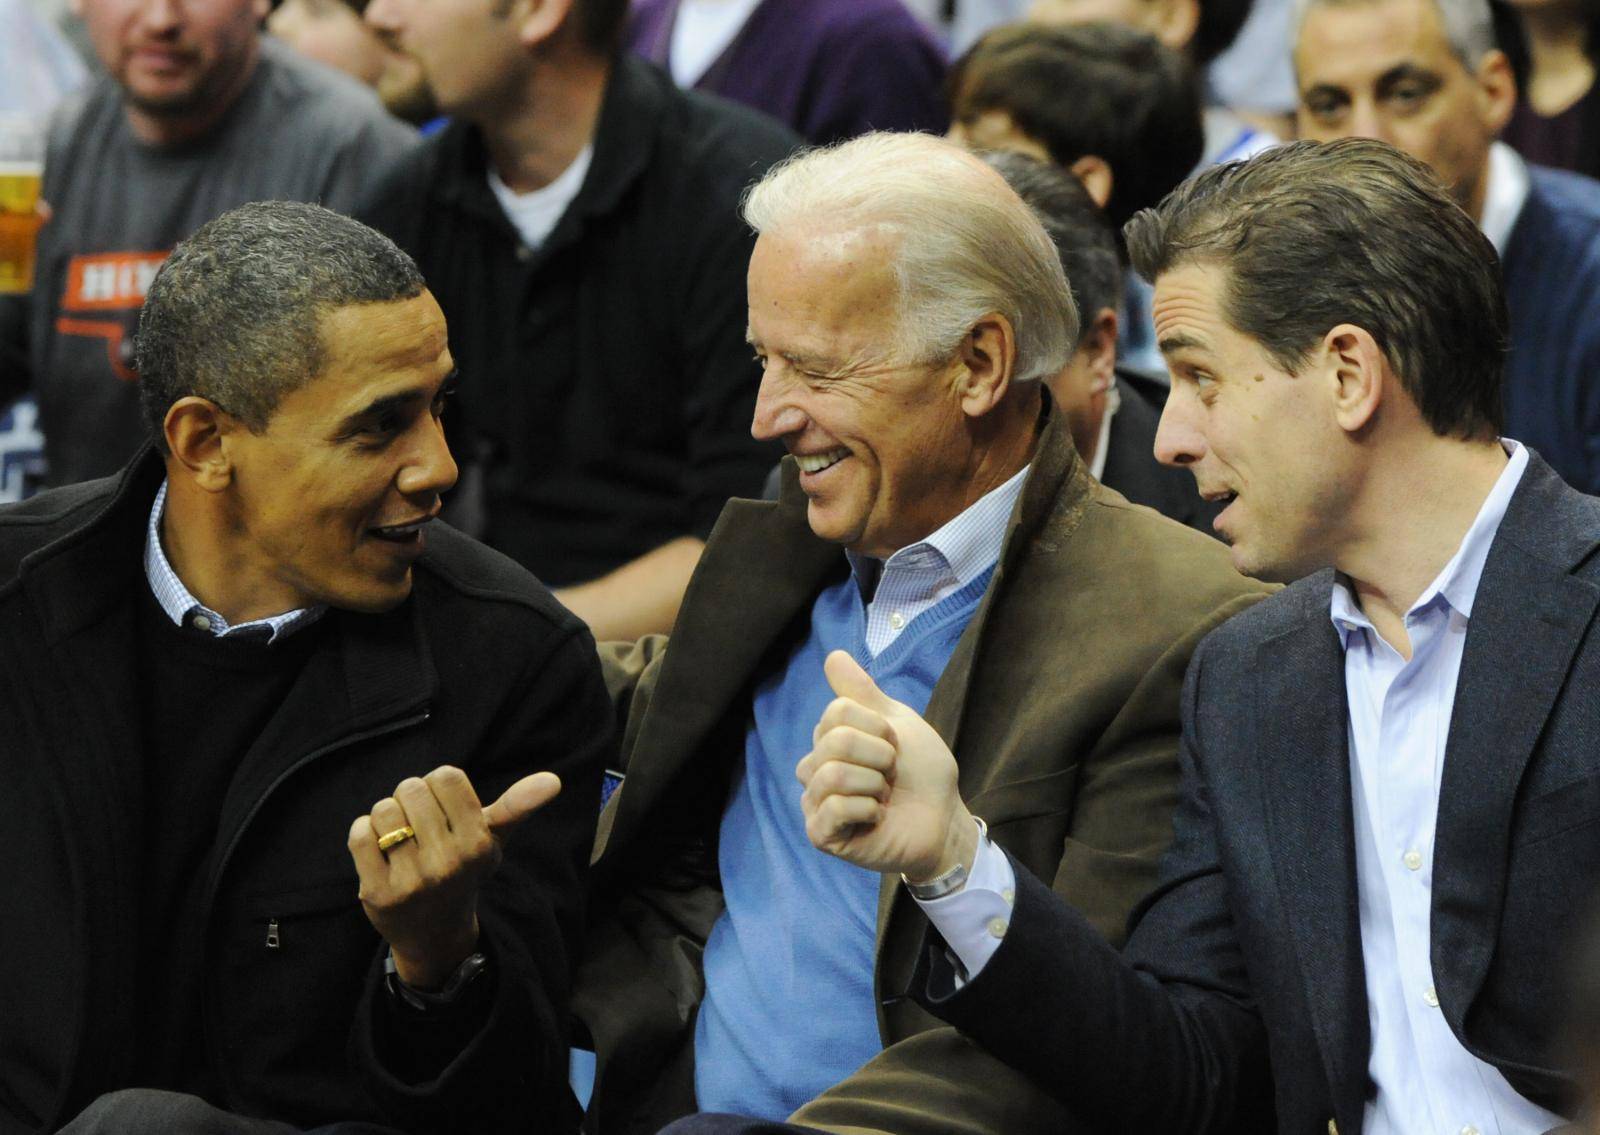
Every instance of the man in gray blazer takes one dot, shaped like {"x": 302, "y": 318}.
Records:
{"x": 1391, "y": 782}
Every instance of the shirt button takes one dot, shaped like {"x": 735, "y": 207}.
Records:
{"x": 1470, "y": 1130}
{"x": 1431, "y": 997}
{"x": 201, "y": 623}
{"x": 897, "y": 620}
{"x": 998, "y": 927}
{"x": 1010, "y": 896}
{"x": 1413, "y": 860}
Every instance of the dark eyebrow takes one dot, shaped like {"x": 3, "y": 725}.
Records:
{"x": 1180, "y": 342}
{"x": 402, "y": 400}
{"x": 1408, "y": 72}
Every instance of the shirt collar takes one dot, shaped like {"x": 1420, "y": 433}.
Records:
{"x": 1457, "y": 583}
{"x": 1097, "y": 467}
{"x": 185, "y": 610}
{"x": 965, "y": 546}
{"x": 1504, "y": 195}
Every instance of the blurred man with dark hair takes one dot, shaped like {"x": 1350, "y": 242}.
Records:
{"x": 172, "y": 135}
{"x": 1112, "y": 413}
{"x": 1425, "y": 75}
{"x": 333, "y": 32}
{"x": 1109, "y": 103}
{"x": 1387, "y": 814}
{"x": 578, "y": 222}
{"x": 215, "y": 664}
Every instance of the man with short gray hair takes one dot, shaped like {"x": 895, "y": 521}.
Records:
{"x": 1425, "y": 75}
{"x": 936, "y": 523}
{"x": 215, "y": 663}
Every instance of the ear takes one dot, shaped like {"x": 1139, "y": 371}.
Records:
{"x": 1358, "y": 373}
{"x": 987, "y": 354}
{"x": 1176, "y": 23}
{"x": 196, "y": 431}
{"x": 538, "y": 21}
{"x": 1497, "y": 91}
{"x": 1095, "y": 174}
{"x": 1101, "y": 344}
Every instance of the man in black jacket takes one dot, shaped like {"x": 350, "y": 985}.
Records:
{"x": 579, "y": 224}
{"x": 215, "y": 664}
{"x": 1390, "y": 783}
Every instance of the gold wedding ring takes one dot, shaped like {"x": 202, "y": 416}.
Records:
{"x": 398, "y": 836}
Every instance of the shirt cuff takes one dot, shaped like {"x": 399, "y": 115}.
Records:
{"x": 973, "y": 920}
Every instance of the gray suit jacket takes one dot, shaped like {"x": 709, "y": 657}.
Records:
{"x": 1243, "y": 977}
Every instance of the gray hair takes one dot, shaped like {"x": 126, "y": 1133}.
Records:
{"x": 233, "y": 315}
{"x": 1468, "y": 25}
{"x": 967, "y": 246}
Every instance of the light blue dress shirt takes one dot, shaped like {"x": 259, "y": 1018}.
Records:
{"x": 1399, "y": 719}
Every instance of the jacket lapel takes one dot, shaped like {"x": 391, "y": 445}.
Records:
{"x": 1528, "y": 618}
{"x": 761, "y": 571}
{"x": 1053, "y": 498}
{"x": 1301, "y": 723}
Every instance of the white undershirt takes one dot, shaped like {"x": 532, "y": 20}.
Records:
{"x": 1097, "y": 467}
{"x": 702, "y": 31}
{"x": 1504, "y": 195}
{"x": 536, "y": 214}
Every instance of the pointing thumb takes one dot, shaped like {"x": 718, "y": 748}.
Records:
{"x": 521, "y": 800}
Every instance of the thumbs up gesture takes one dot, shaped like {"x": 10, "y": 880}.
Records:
{"x": 880, "y": 784}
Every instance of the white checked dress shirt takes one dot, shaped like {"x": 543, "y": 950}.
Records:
{"x": 184, "y": 609}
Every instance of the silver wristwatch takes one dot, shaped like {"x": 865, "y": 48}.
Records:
{"x": 951, "y": 881}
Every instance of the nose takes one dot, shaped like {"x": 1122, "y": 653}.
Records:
{"x": 776, "y": 414}
{"x": 1179, "y": 439}
{"x": 429, "y": 469}
{"x": 381, "y": 16}
{"x": 1366, "y": 122}
{"x": 159, "y": 16}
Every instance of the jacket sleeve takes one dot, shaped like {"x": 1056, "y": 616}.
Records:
{"x": 510, "y": 1074}
{"x": 1164, "y": 1037}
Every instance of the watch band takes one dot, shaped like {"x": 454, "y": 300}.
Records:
{"x": 951, "y": 881}
{"x": 431, "y": 1001}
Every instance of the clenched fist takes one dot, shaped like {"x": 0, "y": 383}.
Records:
{"x": 422, "y": 893}
{"x": 881, "y": 783}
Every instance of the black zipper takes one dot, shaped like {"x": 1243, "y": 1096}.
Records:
{"x": 227, "y": 854}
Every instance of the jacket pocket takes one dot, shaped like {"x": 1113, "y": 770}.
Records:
{"x": 1558, "y": 811}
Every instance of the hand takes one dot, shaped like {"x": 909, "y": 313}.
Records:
{"x": 881, "y": 784}
{"x": 422, "y": 894}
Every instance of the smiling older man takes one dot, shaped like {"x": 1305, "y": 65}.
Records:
{"x": 936, "y": 523}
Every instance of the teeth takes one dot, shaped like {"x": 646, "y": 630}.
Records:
{"x": 401, "y": 529}
{"x": 817, "y": 462}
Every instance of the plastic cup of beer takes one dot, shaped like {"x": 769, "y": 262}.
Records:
{"x": 21, "y": 170}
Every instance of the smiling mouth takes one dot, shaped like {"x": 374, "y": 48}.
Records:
{"x": 817, "y": 462}
{"x": 401, "y": 533}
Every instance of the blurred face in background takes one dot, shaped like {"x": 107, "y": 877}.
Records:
{"x": 333, "y": 32}
{"x": 1386, "y": 70}
{"x": 175, "y": 58}
{"x": 470, "y": 51}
